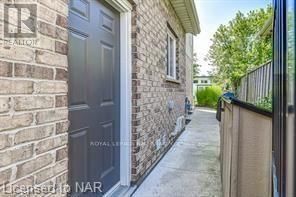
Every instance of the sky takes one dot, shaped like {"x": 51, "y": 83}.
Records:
{"x": 211, "y": 14}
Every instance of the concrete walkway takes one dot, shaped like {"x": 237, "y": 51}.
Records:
{"x": 191, "y": 167}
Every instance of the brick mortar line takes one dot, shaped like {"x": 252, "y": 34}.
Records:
{"x": 19, "y": 46}
{"x": 62, "y": 41}
{"x": 14, "y": 131}
{"x": 11, "y": 112}
{"x": 47, "y": 8}
{"x": 37, "y": 109}
{"x": 47, "y": 22}
{"x": 54, "y": 177}
{"x": 38, "y": 4}
{"x": 33, "y": 174}
{"x": 52, "y": 24}
{"x": 18, "y": 112}
{"x": 40, "y": 110}
{"x": 38, "y": 37}
{"x": 32, "y": 95}
{"x": 29, "y": 95}
{"x": 34, "y": 49}
{"x": 52, "y": 52}
{"x": 64, "y": 4}
{"x": 52, "y": 152}
{"x": 32, "y": 79}
{"x": 25, "y": 127}
{"x": 32, "y": 64}
{"x": 34, "y": 142}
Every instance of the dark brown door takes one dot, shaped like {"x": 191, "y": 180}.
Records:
{"x": 94, "y": 94}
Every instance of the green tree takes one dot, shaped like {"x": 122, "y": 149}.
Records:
{"x": 236, "y": 48}
{"x": 195, "y": 66}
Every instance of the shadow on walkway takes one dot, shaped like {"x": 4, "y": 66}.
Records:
{"x": 191, "y": 167}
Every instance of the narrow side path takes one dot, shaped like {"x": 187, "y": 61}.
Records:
{"x": 191, "y": 167}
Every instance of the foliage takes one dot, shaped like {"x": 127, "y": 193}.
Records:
{"x": 195, "y": 66}
{"x": 236, "y": 48}
{"x": 265, "y": 103}
{"x": 209, "y": 96}
{"x": 196, "y": 69}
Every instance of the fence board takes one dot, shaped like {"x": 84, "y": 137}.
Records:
{"x": 257, "y": 84}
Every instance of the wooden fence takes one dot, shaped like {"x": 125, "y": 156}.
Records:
{"x": 245, "y": 151}
{"x": 257, "y": 84}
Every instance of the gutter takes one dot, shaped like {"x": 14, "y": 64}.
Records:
{"x": 187, "y": 13}
{"x": 190, "y": 5}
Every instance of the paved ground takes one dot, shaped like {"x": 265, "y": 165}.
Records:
{"x": 191, "y": 167}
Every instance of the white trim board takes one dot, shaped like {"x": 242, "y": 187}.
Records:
{"x": 120, "y": 5}
{"x": 125, "y": 97}
{"x": 125, "y": 8}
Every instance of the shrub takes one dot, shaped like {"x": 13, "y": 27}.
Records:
{"x": 209, "y": 96}
{"x": 265, "y": 103}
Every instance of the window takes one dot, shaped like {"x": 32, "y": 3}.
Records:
{"x": 204, "y": 81}
{"x": 171, "y": 63}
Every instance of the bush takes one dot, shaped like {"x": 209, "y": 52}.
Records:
{"x": 265, "y": 103}
{"x": 209, "y": 96}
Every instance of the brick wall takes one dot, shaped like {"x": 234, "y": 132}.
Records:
{"x": 151, "y": 118}
{"x": 33, "y": 101}
{"x": 33, "y": 94}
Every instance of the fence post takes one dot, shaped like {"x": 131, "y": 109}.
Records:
{"x": 247, "y": 91}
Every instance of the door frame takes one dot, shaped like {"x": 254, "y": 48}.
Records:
{"x": 125, "y": 9}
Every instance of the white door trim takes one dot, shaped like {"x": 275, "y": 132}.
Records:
{"x": 120, "y": 5}
{"x": 125, "y": 9}
{"x": 125, "y": 98}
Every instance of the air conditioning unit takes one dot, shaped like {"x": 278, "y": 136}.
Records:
{"x": 180, "y": 125}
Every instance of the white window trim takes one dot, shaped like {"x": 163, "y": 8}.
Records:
{"x": 171, "y": 36}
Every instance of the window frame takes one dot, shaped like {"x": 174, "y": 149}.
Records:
{"x": 171, "y": 36}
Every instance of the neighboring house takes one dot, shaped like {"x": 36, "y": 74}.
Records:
{"x": 99, "y": 93}
{"x": 201, "y": 82}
